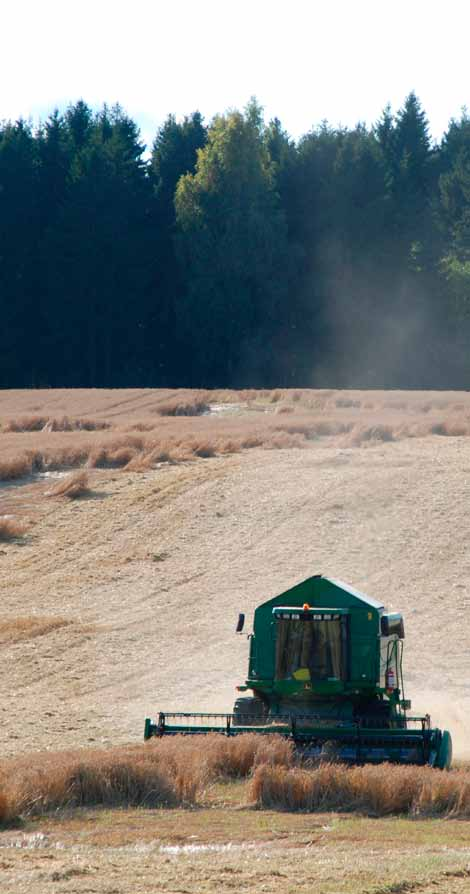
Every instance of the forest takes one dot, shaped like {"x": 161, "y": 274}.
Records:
{"x": 228, "y": 254}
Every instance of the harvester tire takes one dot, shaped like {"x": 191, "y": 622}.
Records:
{"x": 248, "y": 712}
{"x": 444, "y": 754}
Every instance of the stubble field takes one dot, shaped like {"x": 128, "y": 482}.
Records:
{"x": 122, "y": 600}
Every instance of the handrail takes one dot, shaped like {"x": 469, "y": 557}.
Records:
{"x": 291, "y": 720}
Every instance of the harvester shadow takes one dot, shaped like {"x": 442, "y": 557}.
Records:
{"x": 98, "y": 495}
{"x": 92, "y": 495}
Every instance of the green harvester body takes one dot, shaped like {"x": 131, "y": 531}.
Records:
{"x": 325, "y": 670}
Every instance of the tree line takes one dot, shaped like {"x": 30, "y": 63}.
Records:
{"x": 230, "y": 255}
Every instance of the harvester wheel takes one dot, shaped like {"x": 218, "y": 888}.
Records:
{"x": 248, "y": 712}
{"x": 444, "y": 754}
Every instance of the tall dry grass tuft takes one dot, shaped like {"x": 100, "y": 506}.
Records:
{"x": 283, "y": 440}
{"x": 67, "y": 424}
{"x": 141, "y": 426}
{"x": 314, "y": 428}
{"x": 46, "y": 424}
{"x": 199, "y": 762}
{"x": 346, "y": 403}
{"x": 162, "y": 772}
{"x": 117, "y": 453}
{"x": 39, "y": 460}
{"x": 10, "y": 469}
{"x": 203, "y": 448}
{"x": 94, "y": 778}
{"x": 15, "y": 630}
{"x": 368, "y": 434}
{"x": 237, "y": 756}
{"x": 453, "y": 427}
{"x": 10, "y": 529}
{"x": 55, "y": 459}
{"x": 375, "y": 790}
{"x": 309, "y": 399}
{"x": 26, "y": 423}
{"x": 111, "y": 458}
{"x": 73, "y": 486}
{"x": 183, "y": 406}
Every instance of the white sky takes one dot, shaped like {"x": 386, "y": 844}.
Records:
{"x": 304, "y": 60}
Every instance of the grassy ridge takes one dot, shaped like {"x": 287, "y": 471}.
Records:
{"x": 182, "y": 434}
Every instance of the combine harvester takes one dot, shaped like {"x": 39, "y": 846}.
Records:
{"x": 325, "y": 670}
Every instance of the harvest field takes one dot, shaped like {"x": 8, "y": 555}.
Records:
{"x": 134, "y": 525}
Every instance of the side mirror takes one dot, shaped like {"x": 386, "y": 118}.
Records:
{"x": 392, "y": 625}
{"x": 240, "y": 623}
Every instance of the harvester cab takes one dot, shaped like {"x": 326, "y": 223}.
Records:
{"x": 325, "y": 670}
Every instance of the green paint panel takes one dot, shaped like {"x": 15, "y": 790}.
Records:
{"x": 321, "y": 592}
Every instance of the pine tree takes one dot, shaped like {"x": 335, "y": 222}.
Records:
{"x": 19, "y": 232}
{"x": 174, "y": 154}
{"x": 100, "y": 255}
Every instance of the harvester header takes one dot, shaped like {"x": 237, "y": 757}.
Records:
{"x": 325, "y": 669}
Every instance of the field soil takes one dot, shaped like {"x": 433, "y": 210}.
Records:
{"x": 227, "y": 848}
{"x": 123, "y": 602}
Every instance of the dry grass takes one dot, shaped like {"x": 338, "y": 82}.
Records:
{"x": 41, "y": 460}
{"x": 375, "y": 790}
{"x": 452, "y": 427}
{"x": 178, "y": 771}
{"x": 117, "y": 453}
{"x": 15, "y": 630}
{"x": 27, "y": 423}
{"x": 77, "y": 780}
{"x": 10, "y": 529}
{"x": 170, "y": 771}
{"x": 278, "y": 419}
{"x": 189, "y": 405}
{"x": 10, "y": 469}
{"x": 347, "y": 402}
{"x": 46, "y": 424}
{"x": 179, "y": 442}
{"x": 73, "y": 486}
{"x": 48, "y": 459}
{"x": 203, "y": 448}
{"x": 369, "y": 434}
{"x": 313, "y": 428}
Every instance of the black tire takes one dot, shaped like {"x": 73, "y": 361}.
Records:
{"x": 248, "y": 712}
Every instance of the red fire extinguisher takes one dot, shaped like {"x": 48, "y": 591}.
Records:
{"x": 390, "y": 680}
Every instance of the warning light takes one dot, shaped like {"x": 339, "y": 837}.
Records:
{"x": 306, "y": 607}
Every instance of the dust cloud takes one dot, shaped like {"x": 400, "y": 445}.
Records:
{"x": 447, "y": 714}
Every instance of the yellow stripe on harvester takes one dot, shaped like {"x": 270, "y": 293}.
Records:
{"x": 301, "y": 674}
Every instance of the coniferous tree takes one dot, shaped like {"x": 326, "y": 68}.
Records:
{"x": 340, "y": 259}
{"x": 100, "y": 251}
{"x": 19, "y": 227}
{"x": 174, "y": 154}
